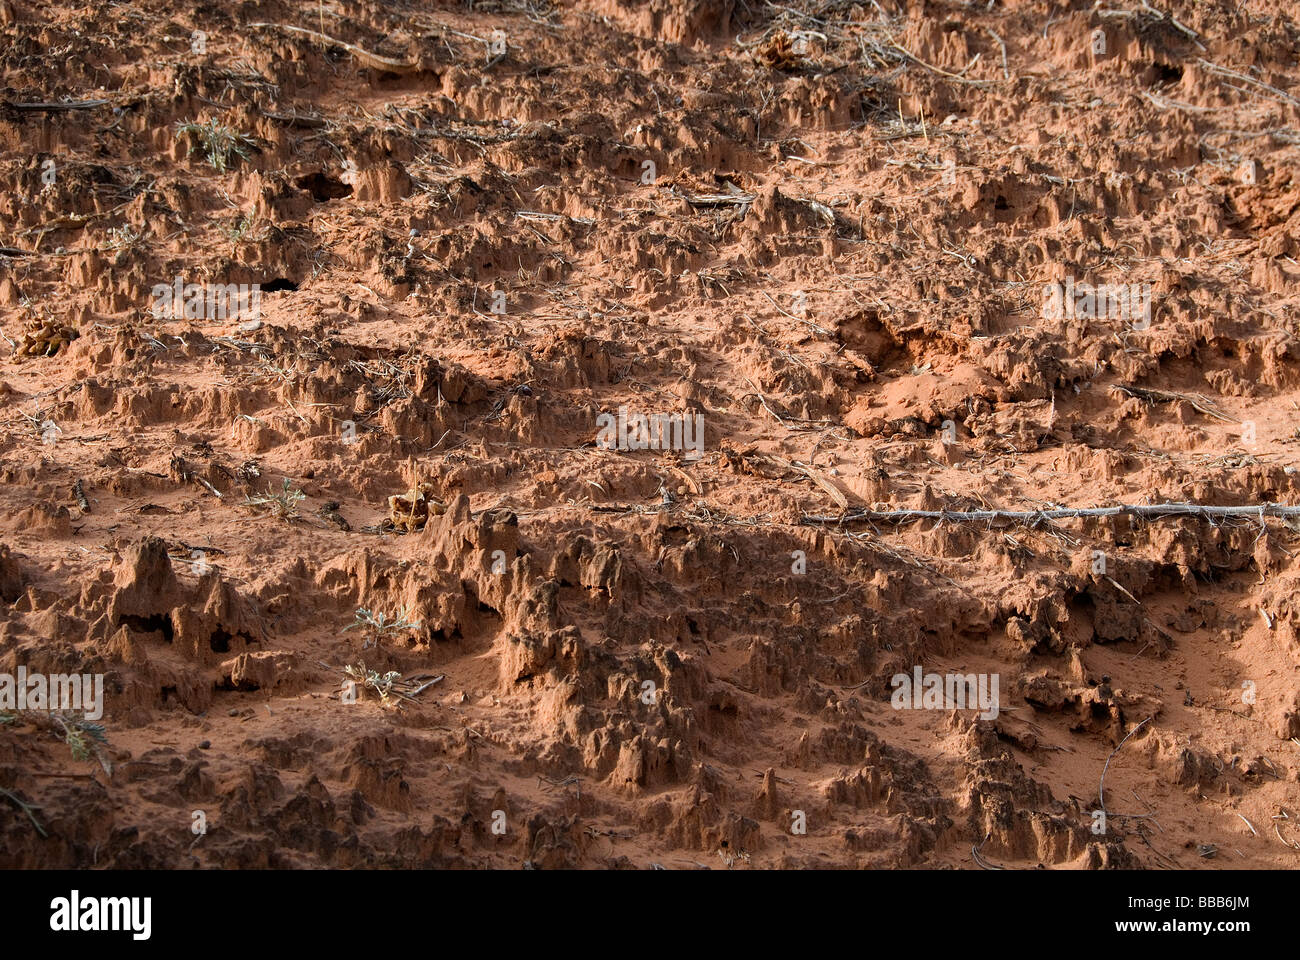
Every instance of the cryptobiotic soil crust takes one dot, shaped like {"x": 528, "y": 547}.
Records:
{"x": 936, "y": 256}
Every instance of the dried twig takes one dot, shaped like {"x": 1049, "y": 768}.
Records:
{"x": 55, "y": 107}
{"x": 26, "y": 808}
{"x": 1225, "y": 72}
{"x": 372, "y": 60}
{"x": 804, "y": 320}
{"x": 975, "y": 852}
{"x": 1283, "y": 815}
{"x": 1002, "y": 44}
{"x": 1199, "y": 403}
{"x": 1146, "y": 510}
{"x": 1101, "y": 787}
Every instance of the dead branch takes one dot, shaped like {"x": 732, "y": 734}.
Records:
{"x": 369, "y": 59}
{"x": 1225, "y": 72}
{"x": 1145, "y": 510}
{"x": 26, "y": 808}
{"x": 1199, "y": 403}
{"x": 55, "y": 107}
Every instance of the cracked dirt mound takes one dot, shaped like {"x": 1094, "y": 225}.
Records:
{"x": 830, "y": 230}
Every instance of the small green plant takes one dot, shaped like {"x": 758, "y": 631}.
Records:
{"x": 122, "y": 238}
{"x": 242, "y": 229}
{"x": 83, "y": 737}
{"x": 283, "y": 505}
{"x": 382, "y": 684}
{"x": 217, "y": 141}
{"x": 378, "y": 625}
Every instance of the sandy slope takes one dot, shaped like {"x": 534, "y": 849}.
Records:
{"x": 839, "y": 263}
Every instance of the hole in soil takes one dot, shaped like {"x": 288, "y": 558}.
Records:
{"x": 323, "y": 188}
{"x": 279, "y": 283}
{"x": 1169, "y": 73}
{"x": 219, "y": 642}
{"x": 158, "y": 623}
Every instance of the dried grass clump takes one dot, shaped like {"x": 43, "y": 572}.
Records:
{"x": 410, "y": 511}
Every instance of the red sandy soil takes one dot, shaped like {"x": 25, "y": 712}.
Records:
{"x": 910, "y": 192}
